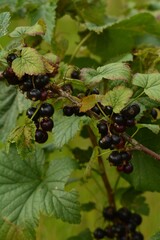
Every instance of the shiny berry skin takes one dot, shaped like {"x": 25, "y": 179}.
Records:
{"x": 34, "y": 94}
{"x": 41, "y": 81}
{"x": 119, "y": 119}
{"x": 96, "y": 110}
{"x": 109, "y": 213}
{"x": 102, "y": 128}
{"x": 76, "y": 111}
{"x": 26, "y": 83}
{"x": 137, "y": 236}
{"x": 121, "y": 144}
{"x": 47, "y": 124}
{"x": 30, "y": 112}
{"x": 75, "y": 74}
{"x": 115, "y": 139}
{"x": 130, "y": 122}
{"x": 44, "y": 95}
{"x": 119, "y": 229}
{"x": 126, "y": 155}
{"x": 41, "y": 136}
{"x": 136, "y": 219}
{"x": 109, "y": 232}
{"x": 131, "y": 111}
{"x": 11, "y": 57}
{"x": 108, "y": 110}
{"x": 105, "y": 142}
{"x": 128, "y": 168}
{"x": 154, "y": 113}
{"x": 120, "y": 168}
{"x": 95, "y": 91}
{"x": 115, "y": 158}
{"x": 119, "y": 128}
{"x": 10, "y": 76}
{"x": 124, "y": 214}
{"x": 46, "y": 110}
{"x": 99, "y": 233}
{"x": 68, "y": 111}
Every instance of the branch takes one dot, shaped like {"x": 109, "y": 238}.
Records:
{"x": 104, "y": 176}
{"x": 140, "y": 147}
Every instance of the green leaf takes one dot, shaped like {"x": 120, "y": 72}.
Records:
{"x": 36, "y": 29}
{"x": 156, "y": 236}
{"x": 89, "y": 102}
{"x": 11, "y": 105}
{"x": 4, "y": 23}
{"x": 24, "y": 137}
{"x": 144, "y": 165}
{"x": 30, "y": 62}
{"x": 27, "y": 189}
{"x": 153, "y": 127}
{"x": 87, "y": 207}
{"x": 150, "y": 83}
{"x": 66, "y": 128}
{"x": 134, "y": 200}
{"x": 117, "y": 98}
{"x": 92, "y": 161}
{"x": 86, "y": 234}
{"x": 111, "y": 71}
{"x": 47, "y": 12}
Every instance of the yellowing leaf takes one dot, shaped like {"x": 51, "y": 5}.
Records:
{"x": 89, "y": 102}
{"x": 117, "y": 98}
{"x": 30, "y": 62}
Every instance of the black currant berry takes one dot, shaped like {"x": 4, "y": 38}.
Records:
{"x": 31, "y": 111}
{"x": 102, "y": 128}
{"x": 119, "y": 128}
{"x": 46, "y": 110}
{"x": 119, "y": 119}
{"x": 41, "y": 136}
{"x": 26, "y": 83}
{"x": 34, "y": 94}
{"x": 131, "y": 227}
{"x": 108, "y": 110}
{"x": 47, "y": 124}
{"x": 95, "y": 91}
{"x": 44, "y": 95}
{"x": 116, "y": 139}
{"x": 128, "y": 168}
{"x": 137, "y": 236}
{"x": 109, "y": 213}
{"x": 75, "y": 74}
{"x": 41, "y": 81}
{"x": 119, "y": 229}
{"x": 120, "y": 168}
{"x": 136, "y": 219}
{"x": 124, "y": 214}
{"x": 115, "y": 158}
{"x": 99, "y": 233}
{"x": 121, "y": 144}
{"x": 105, "y": 142}
{"x": 68, "y": 111}
{"x": 131, "y": 111}
{"x": 130, "y": 122}
{"x": 10, "y": 58}
{"x": 154, "y": 113}
{"x": 126, "y": 155}
{"x": 109, "y": 232}
{"x": 96, "y": 110}
{"x": 10, "y": 76}
{"x": 77, "y": 112}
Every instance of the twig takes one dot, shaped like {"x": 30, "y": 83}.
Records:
{"x": 103, "y": 172}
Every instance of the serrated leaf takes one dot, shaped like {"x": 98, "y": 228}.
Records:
{"x": 66, "y": 128}
{"x": 27, "y": 189}
{"x": 156, "y": 236}
{"x": 144, "y": 165}
{"x": 134, "y": 200}
{"x": 47, "y": 12}
{"x": 30, "y": 62}
{"x": 86, "y": 234}
{"x": 153, "y": 127}
{"x": 37, "y": 29}
{"x": 117, "y": 98}
{"x": 111, "y": 71}
{"x": 4, "y": 22}
{"x": 88, "y": 102}
{"x": 11, "y": 105}
{"x": 150, "y": 83}
{"x": 24, "y": 137}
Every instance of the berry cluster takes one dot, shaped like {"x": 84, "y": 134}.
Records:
{"x": 112, "y": 136}
{"x": 122, "y": 225}
{"x": 42, "y": 120}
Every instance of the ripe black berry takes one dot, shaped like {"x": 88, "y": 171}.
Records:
{"x": 109, "y": 213}
{"x": 119, "y": 119}
{"x": 137, "y": 236}
{"x": 96, "y": 109}
{"x": 11, "y": 57}
{"x": 46, "y": 110}
{"x": 154, "y": 113}
{"x": 124, "y": 214}
{"x": 30, "y": 112}
{"x": 41, "y": 81}
{"x": 99, "y": 233}
{"x": 68, "y": 111}
{"x": 121, "y": 144}
{"x": 105, "y": 142}
{"x": 41, "y": 136}
{"x": 130, "y": 122}
{"x": 116, "y": 139}
{"x": 109, "y": 232}
{"x": 34, "y": 94}
{"x": 95, "y": 91}
{"x": 136, "y": 219}
{"x": 10, "y": 76}
{"x": 102, "y": 128}
{"x": 47, "y": 124}
{"x": 119, "y": 229}
{"x": 115, "y": 158}
{"x": 128, "y": 168}
{"x": 119, "y": 128}
{"x": 131, "y": 111}
{"x": 77, "y": 112}
{"x": 26, "y": 83}
{"x": 108, "y": 110}
{"x": 126, "y": 155}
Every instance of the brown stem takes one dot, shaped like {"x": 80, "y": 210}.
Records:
{"x": 103, "y": 172}
{"x": 138, "y": 146}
